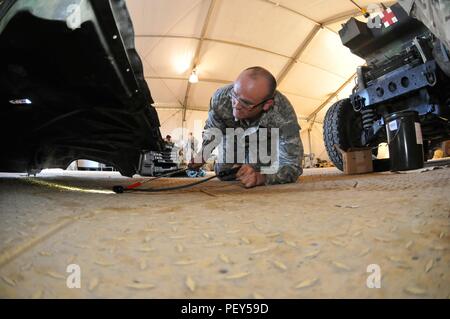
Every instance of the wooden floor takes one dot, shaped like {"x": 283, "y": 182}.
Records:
{"x": 312, "y": 239}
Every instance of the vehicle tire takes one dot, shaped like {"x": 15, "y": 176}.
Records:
{"x": 342, "y": 126}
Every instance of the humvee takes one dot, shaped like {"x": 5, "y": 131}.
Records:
{"x": 406, "y": 69}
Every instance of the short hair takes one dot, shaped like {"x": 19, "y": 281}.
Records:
{"x": 168, "y": 136}
{"x": 257, "y": 71}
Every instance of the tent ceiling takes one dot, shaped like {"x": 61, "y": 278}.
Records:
{"x": 295, "y": 39}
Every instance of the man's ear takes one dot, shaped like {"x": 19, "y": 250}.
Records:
{"x": 268, "y": 105}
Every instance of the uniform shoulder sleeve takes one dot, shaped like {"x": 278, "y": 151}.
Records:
{"x": 290, "y": 150}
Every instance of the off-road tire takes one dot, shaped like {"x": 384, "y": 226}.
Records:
{"x": 342, "y": 126}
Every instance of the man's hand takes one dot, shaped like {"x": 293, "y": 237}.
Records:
{"x": 249, "y": 177}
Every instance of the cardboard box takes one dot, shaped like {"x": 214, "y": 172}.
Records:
{"x": 356, "y": 160}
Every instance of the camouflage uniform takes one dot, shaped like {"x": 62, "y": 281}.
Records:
{"x": 435, "y": 14}
{"x": 281, "y": 115}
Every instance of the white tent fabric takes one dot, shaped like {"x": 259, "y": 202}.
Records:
{"x": 296, "y": 40}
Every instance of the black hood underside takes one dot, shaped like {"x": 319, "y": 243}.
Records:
{"x": 70, "y": 91}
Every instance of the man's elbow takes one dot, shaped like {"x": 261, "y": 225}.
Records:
{"x": 285, "y": 175}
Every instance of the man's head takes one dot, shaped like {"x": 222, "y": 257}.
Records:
{"x": 253, "y": 93}
{"x": 168, "y": 138}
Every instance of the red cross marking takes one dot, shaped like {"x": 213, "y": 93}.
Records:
{"x": 388, "y": 17}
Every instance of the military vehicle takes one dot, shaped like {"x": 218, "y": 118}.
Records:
{"x": 72, "y": 87}
{"x": 403, "y": 72}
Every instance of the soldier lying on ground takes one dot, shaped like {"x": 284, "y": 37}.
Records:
{"x": 252, "y": 103}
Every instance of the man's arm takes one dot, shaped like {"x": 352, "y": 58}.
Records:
{"x": 214, "y": 126}
{"x": 212, "y": 122}
{"x": 290, "y": 154}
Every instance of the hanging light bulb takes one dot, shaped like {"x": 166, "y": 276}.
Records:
{"x": 193, "y": 78}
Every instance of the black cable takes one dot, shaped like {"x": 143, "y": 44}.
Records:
{"x": 154, "y": 190}
{"x": 165, "y": 175}
{"x": 132, "y": 188}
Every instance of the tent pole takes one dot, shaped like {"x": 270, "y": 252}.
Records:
{"x": 195, "y": 60}
{"x": 297, "y": 54}
{"x": 330, "y": 98}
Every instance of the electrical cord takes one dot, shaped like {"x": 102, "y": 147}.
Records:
{"x": 154, "y": 190}
{"x": 132, "y": 188}
{"x": 120, "y": 189}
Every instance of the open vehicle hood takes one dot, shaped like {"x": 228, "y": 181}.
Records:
{"x": 72, "y": 86}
